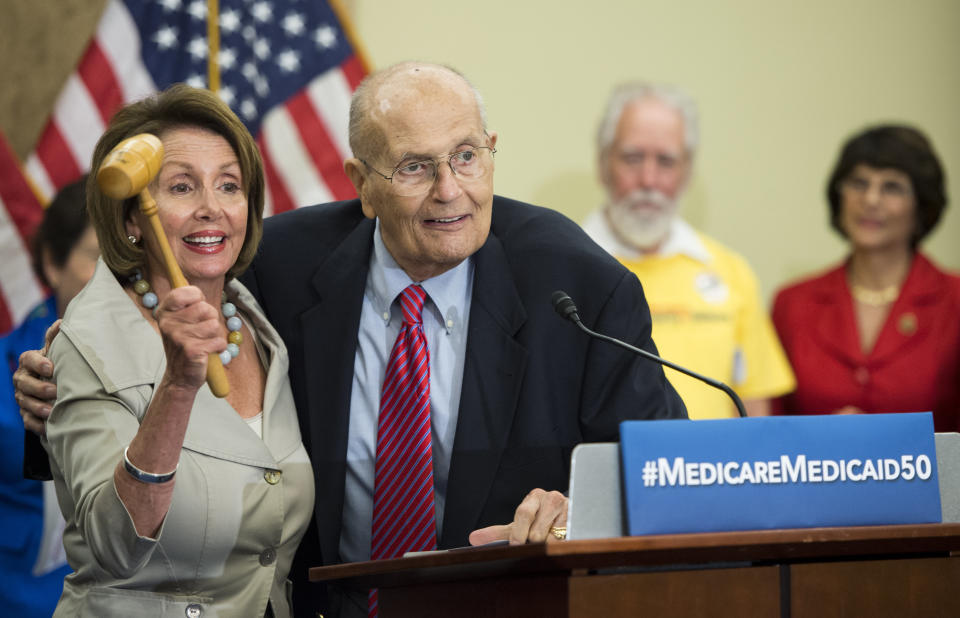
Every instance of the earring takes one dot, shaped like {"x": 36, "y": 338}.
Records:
{"x": 132, "y": 239}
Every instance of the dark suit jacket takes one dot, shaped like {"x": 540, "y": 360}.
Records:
{"x": 533, "y": 385}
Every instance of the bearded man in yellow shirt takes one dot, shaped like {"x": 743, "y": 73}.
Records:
{"x": 703, "y": 297}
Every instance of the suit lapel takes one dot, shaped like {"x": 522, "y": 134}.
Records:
{"x": 330, "y": 340}
{"x": 492, "y": 376}
{"x": 835, "y": 326}
{"x": 913, "y": 314}
{"x": 907, "y": 324}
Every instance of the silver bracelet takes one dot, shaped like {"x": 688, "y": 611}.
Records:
{"x": 145, "y": 477}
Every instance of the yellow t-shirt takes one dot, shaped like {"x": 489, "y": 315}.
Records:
{"x": 708, "y": 318}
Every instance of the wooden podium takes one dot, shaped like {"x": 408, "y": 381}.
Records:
{"x": 875, "y": 571}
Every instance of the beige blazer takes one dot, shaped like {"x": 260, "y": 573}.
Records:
{"x": 240, "y": 505}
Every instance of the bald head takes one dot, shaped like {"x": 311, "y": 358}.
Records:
{"x": 399, "y": 93}
{"x": 408, "y": 119}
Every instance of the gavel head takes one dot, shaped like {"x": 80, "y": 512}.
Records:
{"x": 130, "y": 166}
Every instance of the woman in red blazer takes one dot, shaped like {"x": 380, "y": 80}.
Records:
{"x": 881, "y": 331}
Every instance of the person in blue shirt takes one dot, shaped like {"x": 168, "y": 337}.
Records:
{"x": 32, "y": 560}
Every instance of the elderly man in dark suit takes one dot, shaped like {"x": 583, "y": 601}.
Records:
{"x": 429, "y": 258}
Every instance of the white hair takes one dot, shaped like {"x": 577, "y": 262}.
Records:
{"x": 625, "y": 94}
{"x": 362, "y": 133}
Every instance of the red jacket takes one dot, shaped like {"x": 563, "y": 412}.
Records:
{"x": 914, "y": 365}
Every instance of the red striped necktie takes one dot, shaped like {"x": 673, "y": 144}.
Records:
{"x": 403, "y": 514}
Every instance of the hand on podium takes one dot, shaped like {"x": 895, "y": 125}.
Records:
{"x": 542, "y": 516}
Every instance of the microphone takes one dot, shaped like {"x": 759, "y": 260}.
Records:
{"x": 567, "y": 309}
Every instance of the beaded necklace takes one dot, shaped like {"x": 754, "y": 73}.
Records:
{"x": 874, "y": 298}
{"x": 234, "y": 337}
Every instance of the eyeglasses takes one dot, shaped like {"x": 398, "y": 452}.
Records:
{"x": 416, "y": 178}
{"x": 890, "y": 189}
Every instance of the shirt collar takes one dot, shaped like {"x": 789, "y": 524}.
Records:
{"x": 448, "y": 292}
{"x": 682, "y": 239}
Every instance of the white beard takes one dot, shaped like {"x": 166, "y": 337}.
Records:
{"x": 642, "y": 218}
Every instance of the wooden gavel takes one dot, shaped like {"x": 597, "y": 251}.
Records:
{"x": 126, "y": 172}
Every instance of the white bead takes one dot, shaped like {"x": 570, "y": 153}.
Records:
{"x": 234, "y": 323}
{"x": 234, "y": 349}
{"x": 229, "y": 310}
{"x": 149, "y": 300}
{"x": 226, "y": 357}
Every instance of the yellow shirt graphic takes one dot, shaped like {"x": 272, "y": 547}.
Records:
{"x": 707, "y": 316}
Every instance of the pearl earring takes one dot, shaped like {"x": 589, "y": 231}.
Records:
{"x": 132, "y": 239}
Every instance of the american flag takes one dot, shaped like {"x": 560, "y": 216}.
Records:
{"x": 287, "y": 68}
{"x": 20, "y": 213}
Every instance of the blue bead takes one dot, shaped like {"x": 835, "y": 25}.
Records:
{"x": 234, "y": 323}
{"x": 149, "y": 300}
{"x": 225, "y": 357}
{"x": 234, "y": 349}
{"x": 228, "y": 309}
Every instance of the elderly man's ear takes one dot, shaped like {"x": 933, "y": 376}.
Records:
{"x": 355, "y": 172}
{"x": 354, "y": 169}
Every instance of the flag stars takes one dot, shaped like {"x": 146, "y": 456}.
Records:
{"x": 166, "y": 37}
{"x": 249, "y": 33}
{"x": 248, "y": 109}
{"x": 196, "y": 81}
{"x": 197, "y": 9}
{"x": 261, "y": 85}
{"x": 230, "y": 20}
{"x": 227, "y": 95}
{"x": 261, "y": 48}
{"x": 197, "y": 48}
{"x": 227, "y": 58}
{"x": 170, "y": 5}
{"x": 262, "y": 11}
{"x": 249, "y": 70}
{"x": 325, "y": 36}
{"x": 289, "y": 60}
{"x": 293, "y": 23}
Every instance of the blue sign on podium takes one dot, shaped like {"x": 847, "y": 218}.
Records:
{"x": 779, "y": 472}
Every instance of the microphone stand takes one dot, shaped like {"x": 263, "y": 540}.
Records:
{"x": 565, "y": 306}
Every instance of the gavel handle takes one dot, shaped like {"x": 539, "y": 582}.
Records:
{"x": 216, "y": 376}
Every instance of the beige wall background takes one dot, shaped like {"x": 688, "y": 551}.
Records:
{"x": 780, "y": 85}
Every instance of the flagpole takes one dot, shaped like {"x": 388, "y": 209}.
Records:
{"x": 347, "y": 26}
{"x": 213, "y": 45}
{"x": 42, "y": 199}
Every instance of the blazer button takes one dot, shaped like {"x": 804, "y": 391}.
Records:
{"x": 268, "y": 556}
{"x": 194, "y": 610}
{"x": 272, "y": 476}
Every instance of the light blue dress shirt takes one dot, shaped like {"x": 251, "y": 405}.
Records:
{"x": 445, "y": 316}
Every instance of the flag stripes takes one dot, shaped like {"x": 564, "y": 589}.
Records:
{"x": 20, "y": 213}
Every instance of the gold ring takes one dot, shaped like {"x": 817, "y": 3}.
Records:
{"x": 559, "y": 532}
